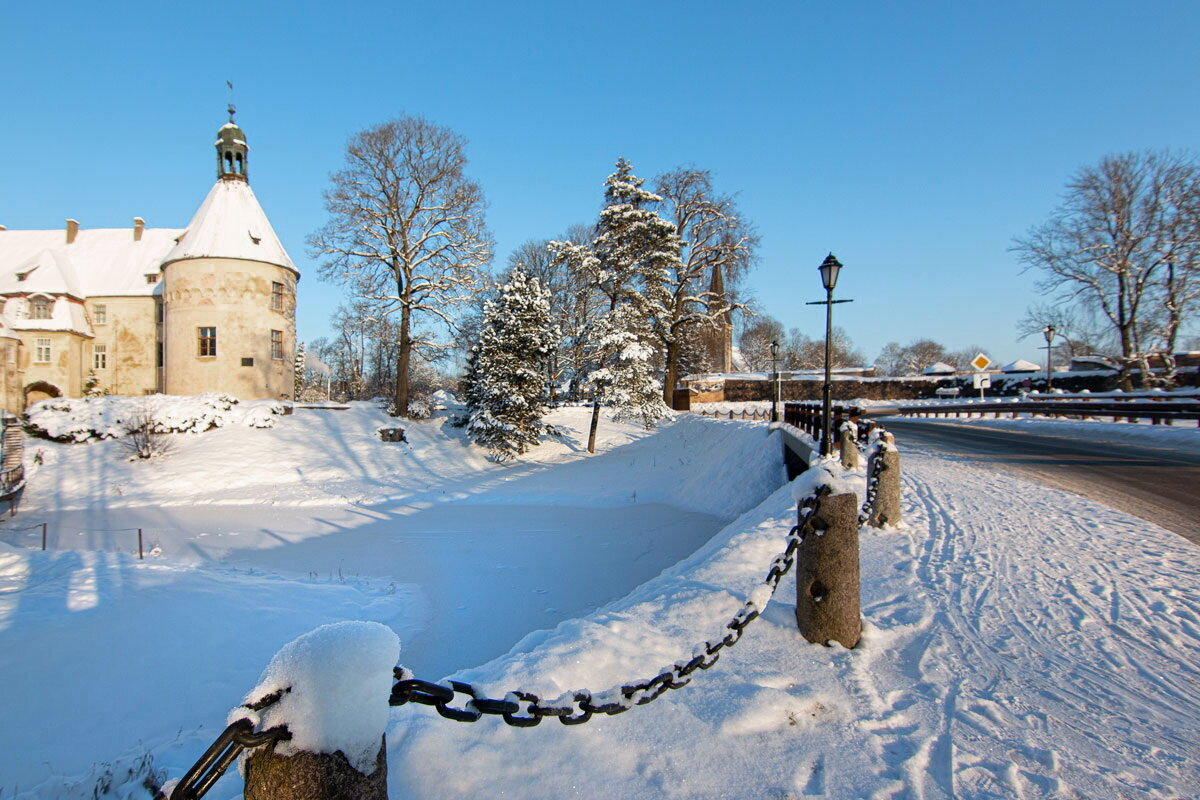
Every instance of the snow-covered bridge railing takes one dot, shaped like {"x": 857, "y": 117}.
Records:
{"x": 1157, "y": 411}
{"x": 314, "y": 727}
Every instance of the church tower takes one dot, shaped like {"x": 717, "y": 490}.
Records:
{"x": 229, "y": 292}
{"x": 718, "y": 334}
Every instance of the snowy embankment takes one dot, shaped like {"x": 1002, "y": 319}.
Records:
{"x": 1020, "y": 642}
{"x": 254, "y": 544}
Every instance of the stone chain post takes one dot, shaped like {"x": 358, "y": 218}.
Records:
{"x": 827, "y": 573}
{"x": 312, "y": 776}
{"x": 849, "y": 446}
{"x": 886, "y": 510}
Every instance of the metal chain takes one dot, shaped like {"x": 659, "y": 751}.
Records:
{"x": 877, "y": 468}
{"x": 525, "y": 709}
{"x": 224, "y": 751}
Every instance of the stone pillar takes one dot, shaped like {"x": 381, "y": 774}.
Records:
{"x": 886, "y": 509}
{"x": 827, "y": 573}
{"x": 312, "y": 776}
{"x": 849, "y": 446}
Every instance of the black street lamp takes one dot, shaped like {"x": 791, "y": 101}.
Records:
{"x": 829, "y": 269}
{"x": 774, "y": 381}
{"x": 1048, "y": 332}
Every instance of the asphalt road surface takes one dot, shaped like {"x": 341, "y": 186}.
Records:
{"x": 1157, "y": 484}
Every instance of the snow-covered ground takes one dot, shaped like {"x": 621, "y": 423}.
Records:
{"x": 1020, "y": 642}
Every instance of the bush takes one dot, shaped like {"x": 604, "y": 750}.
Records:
{"x": 86, "y": 418}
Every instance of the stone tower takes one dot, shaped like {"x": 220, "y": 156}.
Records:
{"x": 229, "y": 292}
{"x": 718, "y": 335}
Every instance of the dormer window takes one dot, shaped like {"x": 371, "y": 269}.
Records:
{"x": 41, "y": 308}
{"x": 152, "y": 278}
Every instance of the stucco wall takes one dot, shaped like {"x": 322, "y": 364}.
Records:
{"x": 130, "y": 333}
{"x": 64, "y": 369}
{"x": 234, "y": 296}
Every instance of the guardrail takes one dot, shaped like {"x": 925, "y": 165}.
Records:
{"x": 1158, "y": 412}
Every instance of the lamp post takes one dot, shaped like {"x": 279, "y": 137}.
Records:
{"x": 829, "y": 269}
{"x": 774, "y": 381}
{"x": 1048, "y": 332}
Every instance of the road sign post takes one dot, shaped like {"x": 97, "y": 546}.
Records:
{"x": 981, "y": 380}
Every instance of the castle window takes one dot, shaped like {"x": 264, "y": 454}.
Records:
{"x": 152, "y": 278}
{"x": 277, "y": 345}
{"x": 99, "y": 356}
{"x": 100, "y": 314}
{"x": 40, "y": 308}
{"x": 276, "y": 296}
{"x": 207, "y": 338}
{"x": 159, "y": 359}
{"x": 41, "y": 351}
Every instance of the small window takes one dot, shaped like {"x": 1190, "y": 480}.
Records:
{"x": 208, "y": 342}
{"x": 41, "y": 308}
{"x": 99, "y": 356}
{"x": 276, "y": 296}
{"x": 158, "y": 313}
{"x": 277, "y": 345}
{"x": 160, "y": 354}
{"x": 41, "y": 351}
{"x": 152, "y": 278}
{"x": 247, "y": 362}
{"x": 100, "y": 314}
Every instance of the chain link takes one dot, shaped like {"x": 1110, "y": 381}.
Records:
{"x": 239, "y": 736}
{"x": 525, "y": 709}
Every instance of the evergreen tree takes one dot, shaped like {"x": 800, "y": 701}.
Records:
{"x": 505, "y": 385}
{"x": 631, "y": 257}
{"x": 299, "y": 372}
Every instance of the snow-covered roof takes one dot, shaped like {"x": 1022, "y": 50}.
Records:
{"x": 940, "y": 368}
{"x": 100, "y": 262}
{"x": 1020, "y": 365}
{"x": 231, "y": 224}
{"x": 65, "y": 315}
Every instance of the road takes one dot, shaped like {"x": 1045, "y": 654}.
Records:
{"x": 1157, "y": 484}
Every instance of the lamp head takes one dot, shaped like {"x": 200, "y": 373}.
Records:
{"x": 774, "y": 349}
{"x": 829, "y": 271}
{"x": 1048, "y": 332}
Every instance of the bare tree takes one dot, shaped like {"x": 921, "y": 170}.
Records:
{"x": 717, "y": 247}
{"x": 805, "y": 353}
{"x": 755, "y": 342}
{"x": 909, "y": 359}
{"x": 1120, "y": 224}
{"x": 405, "y": 231}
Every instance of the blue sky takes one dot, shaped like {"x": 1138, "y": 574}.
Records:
{"x": 913, "y": 141}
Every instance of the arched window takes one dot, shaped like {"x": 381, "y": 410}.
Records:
{"x": 41, "y": 308}
{"x": 228, "y": 161}
{"x": 241, "y": 170}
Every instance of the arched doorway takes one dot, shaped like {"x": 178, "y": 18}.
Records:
{"x": 40, "y": 391}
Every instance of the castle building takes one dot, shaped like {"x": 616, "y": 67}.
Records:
{"x": 209, "y": 307}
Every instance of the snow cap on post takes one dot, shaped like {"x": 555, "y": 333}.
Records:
{"x": 336, "y": 681}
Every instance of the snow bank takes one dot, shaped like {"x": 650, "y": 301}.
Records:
{"x": 85, "y": 418}
{"x": 335, "y": 682}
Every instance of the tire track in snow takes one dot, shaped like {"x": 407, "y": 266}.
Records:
{"x": 1062, "y": 635}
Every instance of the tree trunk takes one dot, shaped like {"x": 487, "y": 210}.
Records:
{"x": 595, "y": 424}
{"x": 672, "y": 373}
{"x": 402, "y": 366}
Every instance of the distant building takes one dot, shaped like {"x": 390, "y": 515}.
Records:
{"x": 209, "y": 307}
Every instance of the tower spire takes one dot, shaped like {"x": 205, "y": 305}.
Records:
{"x": 232, "y": 151}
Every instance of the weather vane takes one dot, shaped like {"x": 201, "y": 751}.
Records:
{"x": 232, "y": 107}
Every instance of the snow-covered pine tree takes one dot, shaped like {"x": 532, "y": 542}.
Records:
{"x": 299, "y": 371}
{"x": 633, "y": 252}
{"x": 505, "y": 385}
